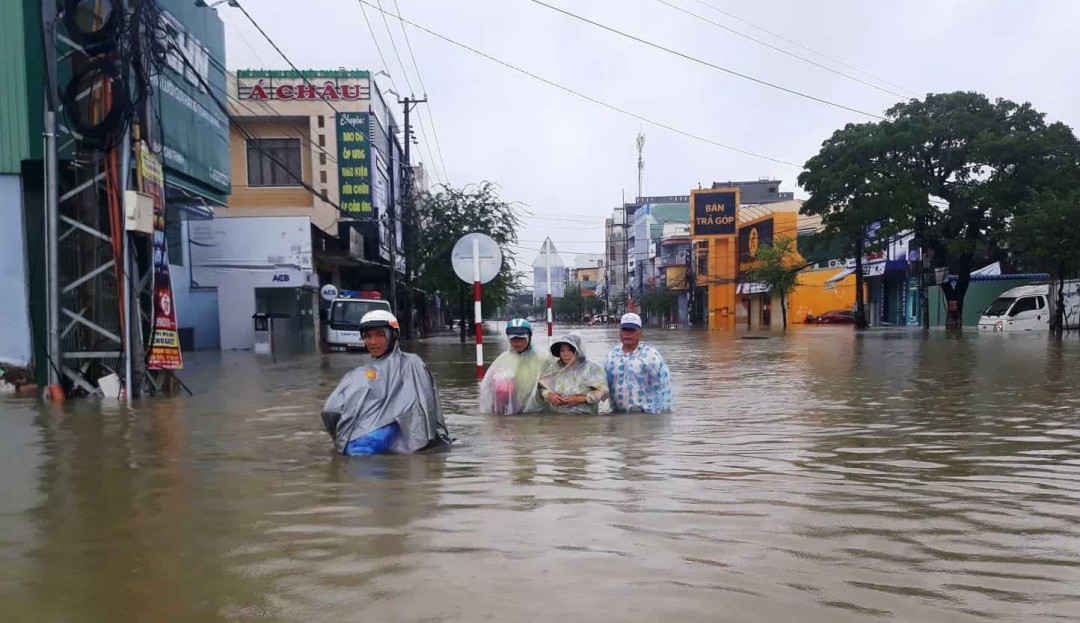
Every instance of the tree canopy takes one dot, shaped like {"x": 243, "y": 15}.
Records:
{"x": 440, "y": 219}
{"x": 953, "y": 168}
{"x": 778, "y": 265}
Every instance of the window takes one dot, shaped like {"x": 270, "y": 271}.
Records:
{"x": 999, "y": 306}
{"x": 322, "y": 140}
{"x": 322, "y": 158}
{"x": 173, "y": 238}
{"x": 322, "y": 121}
{"x": 322, "y": 177}
{"x": 274, "y": 162}
{"x": 1025, "y": 304}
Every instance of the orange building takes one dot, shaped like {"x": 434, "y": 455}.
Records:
{"x": 726, "y": 237}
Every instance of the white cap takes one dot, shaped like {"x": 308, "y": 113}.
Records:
{"x": 630, "y": 321}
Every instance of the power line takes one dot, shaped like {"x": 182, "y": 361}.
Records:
{"x": 420, "y": 77}
{"x": 810, "y": 61}
{"x": 589, "y": 98}
{"x": 299, "y": 73}
{"x": 699, "y": 61}
{"x": 378, "y": 48}
{"x": 386, "y": 66}
{"x": 224, "y": 109}
{"x": 800, "y": 45}
{"x": 393, "y": 45}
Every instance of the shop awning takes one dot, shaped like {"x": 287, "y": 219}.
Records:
{"x": 838, "y": 277}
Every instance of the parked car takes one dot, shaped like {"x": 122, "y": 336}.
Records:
{"x": 1026, "y": 308}
{"x": 836, "y": 316}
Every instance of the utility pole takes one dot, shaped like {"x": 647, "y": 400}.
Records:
{"x": 640, "y": 165}
{"x": 408, "y": 103}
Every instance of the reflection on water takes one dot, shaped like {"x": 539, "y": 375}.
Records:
{"x": 815, "y": 477}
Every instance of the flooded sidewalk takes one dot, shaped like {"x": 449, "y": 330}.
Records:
{"x": 819, "y": 476}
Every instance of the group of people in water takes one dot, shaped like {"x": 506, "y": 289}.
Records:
{"x": 390, "y": 404}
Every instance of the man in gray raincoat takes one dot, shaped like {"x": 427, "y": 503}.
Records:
{"x": 389, "y": 404}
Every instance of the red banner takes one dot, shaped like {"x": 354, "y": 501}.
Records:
{"x": 163, "y": 352}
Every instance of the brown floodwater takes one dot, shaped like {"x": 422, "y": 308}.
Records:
{"x": 819, "y": 476}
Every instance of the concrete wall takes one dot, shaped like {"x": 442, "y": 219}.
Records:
{"x": 197, "y": 308}
{"x": 15, "y": 327}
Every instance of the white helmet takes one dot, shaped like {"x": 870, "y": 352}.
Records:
{"x": 379, "y": 319}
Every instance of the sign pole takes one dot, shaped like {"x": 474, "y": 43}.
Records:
{"x": 479, "y": 327}
{"x": 547, "y": 265}
{"x": 477, "y": 259}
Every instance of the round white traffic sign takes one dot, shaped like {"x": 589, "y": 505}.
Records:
{"x": 487, "y": 260}
{"x": 328, "y": 292}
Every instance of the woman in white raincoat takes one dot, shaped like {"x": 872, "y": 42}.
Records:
{"x": 571, "y": 383}
{"x": 509, "y": 387}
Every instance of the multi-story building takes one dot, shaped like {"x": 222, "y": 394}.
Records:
{"x": 186, "y": 138}
{"x": 614, "y": 278}
{"x": 647, "y": 220}
{"x": 587, "y": 272}
{"x": 316, "y": 169}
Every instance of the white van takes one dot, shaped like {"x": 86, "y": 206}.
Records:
{"x": 343, "y": 321}
{"x": 1023, "y": 308}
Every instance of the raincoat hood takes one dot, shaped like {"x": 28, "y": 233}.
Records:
{"x": 396, "y": 387}
{"x": 573, "y": 339}
{"x": 579, "y": 377}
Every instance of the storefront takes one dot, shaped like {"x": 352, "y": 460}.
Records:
{"x": 258, "y": 265}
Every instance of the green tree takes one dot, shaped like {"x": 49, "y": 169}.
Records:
{"x": 1045, "y": 233}
{"x": 660, "y": 302}
{"x": 440, "y": 219}
{"x": 570, "y": 306}
{"x": 855, "y": 190}
{"x": 975, "y": 160}
{"x": 951, "y": 167}
{"x": 778, "y": 266}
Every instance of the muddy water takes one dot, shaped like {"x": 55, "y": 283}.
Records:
{"x": 813, "y": 477}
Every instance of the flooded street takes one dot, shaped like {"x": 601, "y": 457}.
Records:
{"x": 814, "y": 477}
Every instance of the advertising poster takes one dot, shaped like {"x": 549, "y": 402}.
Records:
{"x": 713, "y": 212}
{"x": 354, "y": 165}
{"x": 163, "y": 352}
{"x": 752, "y": 238}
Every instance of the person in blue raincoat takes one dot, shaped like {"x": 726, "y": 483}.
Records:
{"x": 509, "y": 386}
{"x": 390, "y": 403}
{"x": 637, "y": 375}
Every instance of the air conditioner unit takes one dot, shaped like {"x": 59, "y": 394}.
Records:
{"x": 138, "y": 212}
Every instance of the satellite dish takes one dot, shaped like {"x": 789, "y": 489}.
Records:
{"x": 490, "y": 257}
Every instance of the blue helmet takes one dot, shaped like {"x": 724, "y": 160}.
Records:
{"x": 519, "y": 326}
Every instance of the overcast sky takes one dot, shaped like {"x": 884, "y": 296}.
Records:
{"x": 569, "y": 161}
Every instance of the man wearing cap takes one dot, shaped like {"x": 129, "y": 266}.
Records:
{"x": 509, "y": 387}
{"x": 637, "y": 376}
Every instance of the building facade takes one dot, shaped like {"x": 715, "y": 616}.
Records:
{"x": 316, "y": 165}
{"x": 615, "y": 258}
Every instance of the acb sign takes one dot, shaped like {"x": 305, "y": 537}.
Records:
{"x": 713, "y": 212}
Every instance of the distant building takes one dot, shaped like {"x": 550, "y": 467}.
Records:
{"x": 587, "y": 273}
{"x": 548, "y": 260}
{"x": 643, "y": 239}
{"x": 761, "y": 191}
{"x": 614, "y": 278}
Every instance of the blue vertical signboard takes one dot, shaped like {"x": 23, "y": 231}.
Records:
{"x": 354, "y": 165}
